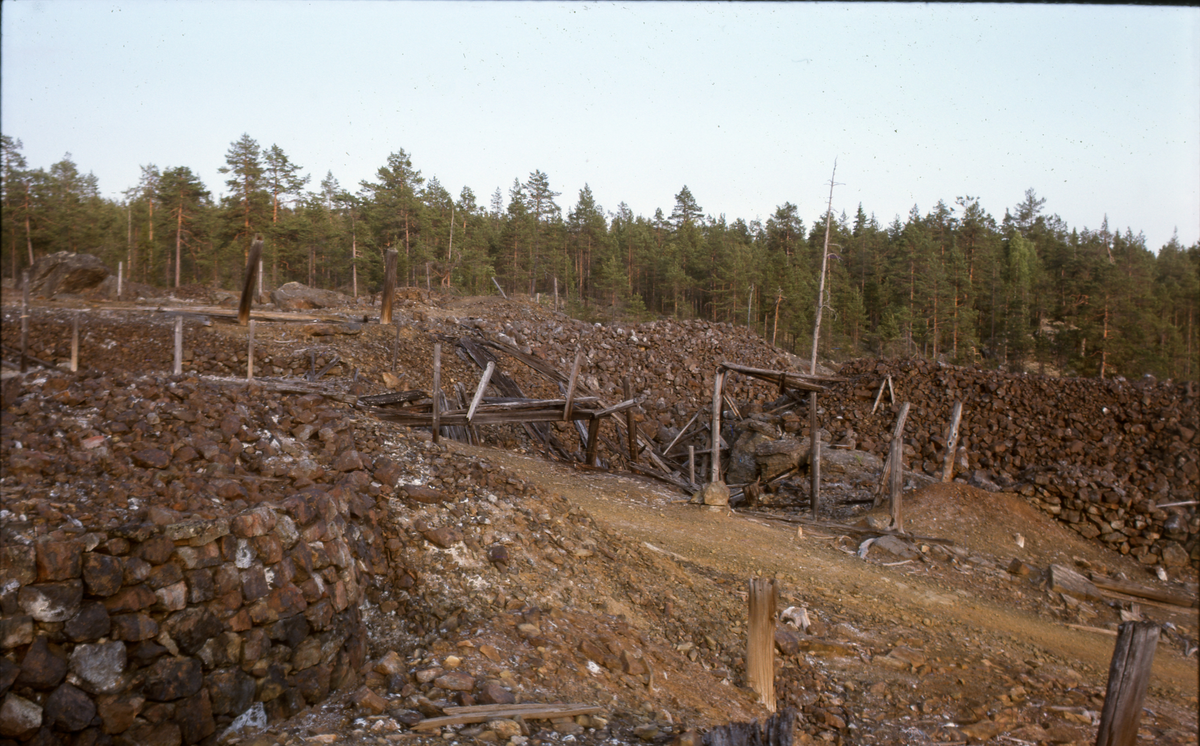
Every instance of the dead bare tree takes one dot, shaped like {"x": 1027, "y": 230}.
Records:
{"x": 812, "y": 366}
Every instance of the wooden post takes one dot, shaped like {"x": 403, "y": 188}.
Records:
{"x": 437, "y": 390}
{"x": 75, "y": 343}
{"x": 814, "y": 457}
{"x": 502, "y": 295}
{"x": 556, "y": 299}
{"x": 1128, "y": 677}
{"x": 630, "y": 423}
{"x": 692, "y": 465}
{"x": 760, "y": 643}
{"x": 396, "y": 347}
{"x": 178, "y": 369}
{"x": 120, "y": 277}
{"x": 571, "y": 385}
{"x": 951, "y": 442}
{"x": 483, "y": 384}
{"x": 896, "y": 476}
{"x": 389, "y": 289}
{"x": 718, "y": 381}
{"x": 24, "y": 320}
{"x": 250, "y": 353}
{"x": 260, "y": 280}
{"x": 593, "y": 439}
{"x": 248, "y": 281}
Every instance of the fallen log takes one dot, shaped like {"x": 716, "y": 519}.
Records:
{"x": 483, "y": 713}
{"x": 1175, "y": 598}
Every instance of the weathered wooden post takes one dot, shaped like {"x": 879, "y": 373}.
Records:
{"x": 630, "y": 422}
{"x": 760, "y": 642}
{"x": 178, "y": 369}
{"x": 437, "y": 390}
{"x": 556, "y": 304}
{"x": 396, "y": 346}
{"x": 692, "y": 465}
{"x": 896, "y": 476}
{"x": 814, "y": 457}
{"x": 502, "y": 294}
{"x": 260, "y": 281}
{"x": 570, "y": 404}
{"x": 120, "y": 276}
{"x": 483, "y": 384}
{"x": 248, "y": 281}
{"x": 24, "y": 320}
{"x": 718, "y": 381}
{"x": 75, "y": 343}
{"x": 1128, "y": 678}
{"x": 389, "y": 287}
{"x": 593, "y": 439}
{"x": 951, "y": 442}
{"x": 250, "y": 353}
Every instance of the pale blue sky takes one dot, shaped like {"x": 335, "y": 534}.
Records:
{"x": 748, "y": 104}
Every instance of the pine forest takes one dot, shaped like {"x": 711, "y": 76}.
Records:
{"x": 952, "y": 282}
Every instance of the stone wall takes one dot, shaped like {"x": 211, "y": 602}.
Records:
{"x": 150, "y": 634}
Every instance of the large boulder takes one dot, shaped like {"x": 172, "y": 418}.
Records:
{"x": 777, "y": 456}
{"x": 856, "y": 468}
{"x": 296, "y": 296}
{"x": 743, "y": 467}
{"x": 64, "y": 272}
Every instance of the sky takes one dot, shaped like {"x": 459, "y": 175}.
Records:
{"x": 1096, "y": 108}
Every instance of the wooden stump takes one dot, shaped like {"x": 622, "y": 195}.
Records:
{"x": 760, "y": 643}
{"x": 1128, "y": 678}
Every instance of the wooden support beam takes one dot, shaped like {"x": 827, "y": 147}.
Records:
{"x": 718, "y": 382}
{"x": 483, "y": 384}
{"x": 814, "y": 456}
{"x": 630, "y": 422}
{"x": 24, "y": 320}
{"x": 250, "y": 352}
{"x": 624, "y": 406}
{"x": 389, "y": 291}
{"x": 502, "y": 293}
{"x": 248, "y": 281}
{"x": 593, "y": 438}
{"x": 760, "y": 642}
{"x": 437, "y": 390}
{"x": 75, "y": 343}
{"x": 896, "y": 476}
{"x": 396, "y": 347}
{"x": 571, "y": 384}
{"x": 1128, "y": 678}
{"x": 951, "y": 442}
{"x": 178, "y": 369}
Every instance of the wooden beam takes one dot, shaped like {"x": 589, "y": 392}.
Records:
{"x": 436, "y": 423}
{"x": 1128, "y": 679}
{"x": 478, "y": 714}
{"x": 389, "y": 290}
{"x": 718, "y": 381}
{"x": 1175, "y": 598}
{"x": 760, "y": 640}
{"x": 951, "y": 442}
{"x": 483, "y": 383}
{"x": 571, "y": 384}
{"x": 630, "y": 422}
{"x": 896, "y": 476}
{"x": 248, "y": 281}
{"x": 593, "y": 438}
{"x": 814, "y": 456}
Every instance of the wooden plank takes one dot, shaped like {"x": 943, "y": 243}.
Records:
{"x": 436, "y": 421}
{"x": 543, "y": 712}
{"x": 75, "y": 343}
{"x": 1128, "y": 679}
{"x": 628, "y": 404}
{"x": 1175, "y": 598}
{"x": 571, "y": 385}
{"x": 951, "y": 442}
{"x": 178, "y": 369}
{"x": 394, "y": 397}
{"x": 772, "y": 376}
{"x": 681, "y": 432}
{"x": 483, "y": 383}
{"x": 593, "y": 438}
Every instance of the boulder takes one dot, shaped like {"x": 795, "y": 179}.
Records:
{"x": 743, "y": 466}
{"x": 777, "y": 456}
{"x": 64, "y": 272}
{"x": 296, "y": 296}
{"x": 856, "y": 468}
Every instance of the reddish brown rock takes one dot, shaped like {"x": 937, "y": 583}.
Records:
{"x": 369, "y": 701}
{"x": 19, "y": 717}
{"x": 455, "y": 681}
{"x": 173, "y": 678}
{"x": 102, "y": 574}
{"x": 69, "y": 709}
{"x": 51, "y": 602}
{"x": 130, "y": 598}
{"x": 18, "y": 562}
{"x": 41, "y": 668}
{"x": 118, "y": 711}
{"x": 195, "y": 717}
{"x": 90, "y": 623}
{"x": 231, "y": 691}
{"x": 15, "y": 631}
{"x": 134, "y": 627}
{"x": 58, "y": 560}
{"x": 254, "y": 522}
{"x": 151, "y": 458}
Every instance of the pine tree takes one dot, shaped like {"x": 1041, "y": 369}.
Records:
{"x": 184, "y": 197}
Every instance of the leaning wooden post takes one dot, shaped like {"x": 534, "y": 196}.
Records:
{"x": 951, "y": 442}
{"x": 692, "y": 465}
{"x": 814, "y": 456}
{"x": 178, "y": 369}
{"x": 396, "y": 346}
{"x": 571, "y": 385}
{"x": 1128, "y": 677}
{"x": 718, "y": 381}
{"x": 896, "y": 476}
{"x": 389, "y": 287}
{"x": 75, "y": 343}
{"x": 760, "y": 643}
{"x": 250, "y": 353}
{"x": 248, "y": 281}
{"x": 630, "y": 423}
{"x": 483, "y": 384}
{"x": 437, "y": 390}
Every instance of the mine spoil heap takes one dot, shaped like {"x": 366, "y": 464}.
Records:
{"x": 178, "y": 551}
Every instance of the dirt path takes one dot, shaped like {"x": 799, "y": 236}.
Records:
{"x": 956, "y": 610}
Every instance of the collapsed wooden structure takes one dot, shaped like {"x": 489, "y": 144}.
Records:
{"x": 458, "y": 415}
